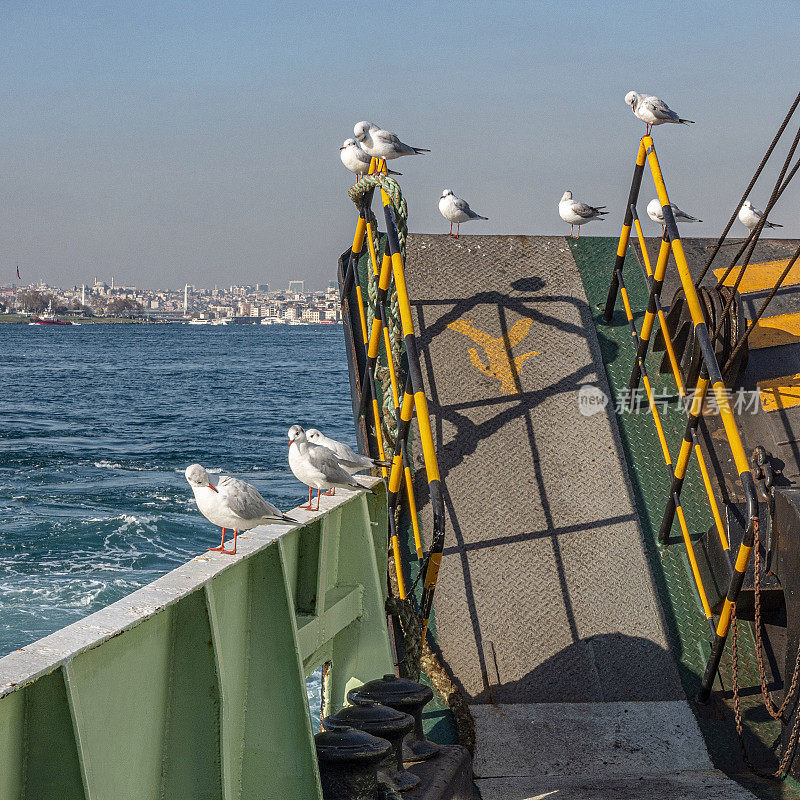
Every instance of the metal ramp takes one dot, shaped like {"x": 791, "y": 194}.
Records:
{"x": 545, "y": 596}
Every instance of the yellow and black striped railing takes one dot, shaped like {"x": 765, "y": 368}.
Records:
{"x": 408, "y": 402}
{"x": 710, "y": 376}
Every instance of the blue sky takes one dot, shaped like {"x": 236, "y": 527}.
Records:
{"x": 170, "y": 142}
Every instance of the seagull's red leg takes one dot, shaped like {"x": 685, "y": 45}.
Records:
{"x": 308, "y": 506}
{"x": 232, "y": 552}
{"x": 317, "y": 508}
{"x": 579, "y": 232}
{"x": 330, "y": 492}
{"x": 221, "y": 548}
{"x": 451, "y": 229}
{"x": 458, "y": 228}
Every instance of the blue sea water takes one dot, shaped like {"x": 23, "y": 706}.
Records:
{"x": 98, "y": 423}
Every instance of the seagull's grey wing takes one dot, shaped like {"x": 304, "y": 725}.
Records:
{"x": 462, "y": 205}
{"x": 389, "y": 138}
{"x": 584, "y": 210}
{"x": 659, "y": 108}
{"x": 327, "y": 463}
{"x": 245, "y": 500}
{"x": 343, "y": 452}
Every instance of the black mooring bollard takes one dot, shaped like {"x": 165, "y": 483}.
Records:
{"x": 348, "y": 763}
{"x": 385, "y": 723}
{"x": 402, "y": 695}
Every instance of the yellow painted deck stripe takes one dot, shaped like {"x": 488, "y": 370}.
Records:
{"x": 780, "y": 393}
{"x": 761, "y": 277}
{"x": 775, "y": 331}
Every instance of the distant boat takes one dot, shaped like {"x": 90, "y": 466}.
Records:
{"x": 209, "y": 322}
{"x": 273, "y": 321}
{"x": 49, "y": 318}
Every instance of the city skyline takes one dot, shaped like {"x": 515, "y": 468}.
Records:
{"x": 201, "y": 141}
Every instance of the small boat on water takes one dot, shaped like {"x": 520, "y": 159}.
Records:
{"x": 208, "y": 322}
{"x": 49, "y": 318}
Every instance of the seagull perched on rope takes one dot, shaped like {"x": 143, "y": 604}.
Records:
{"x": 382, "y": 144}
{"x": 317, "y": 466}
{"x": 653, "y": 111}
{"x": 356, "y": 160}
{"x": 656, "y": 213}
{"x": 749, "y": 217}
{"x": 231, "y": 503}
{"x": 454, "y": 209}
{"x": 577, "y": 213}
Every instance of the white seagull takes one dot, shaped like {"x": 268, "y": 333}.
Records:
{"x": 317, "y": 466}
{"x": 656, "y": 214}
{"x": 454, "y": 209}
{"x": 231, "y": 504}
{"x": 576, "y": 213}
{"x": 749, "y": 217}
{"x": 347, "y": 457}
{"x": 382, "y": 144}
{"x": 355, "y": 159}
{"x": 653, "y": 111}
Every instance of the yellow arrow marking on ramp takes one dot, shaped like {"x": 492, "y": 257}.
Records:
{"x": 502, "y": 365}
{"x": 762, "y": 276}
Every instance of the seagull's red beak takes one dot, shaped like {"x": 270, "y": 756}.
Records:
{"x": 341, "y": 148}
{"x": 213, "y": 488}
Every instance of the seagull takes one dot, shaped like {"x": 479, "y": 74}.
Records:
{"x": 355, "y": 159}
{"x": 749, "y": 217}
{"x": 454, "y": 209}
{"x": 317, "y": 466}
{"x": 231, "y": 504}
{"x": 576, "y": 213}
{"x": 656, "y": 214}
{"x": 383, "y": 144}
{"x": 653, "y": 111}
{"x": 347, "y": 457}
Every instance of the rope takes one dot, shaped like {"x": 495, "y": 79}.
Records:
{"x": 417, "y": 656}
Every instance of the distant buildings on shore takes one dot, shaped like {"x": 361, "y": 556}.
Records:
{"x": 233, "y": 303}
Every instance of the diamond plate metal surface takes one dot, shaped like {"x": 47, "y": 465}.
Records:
{"x": 545, "y": 592}
{"x": 688, "y": 632}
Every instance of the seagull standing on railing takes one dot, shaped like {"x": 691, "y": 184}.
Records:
{"x": 317, "y": 466}
{"x": 356, "y": 160}
{"x": 577, "y": 213}
{"x": 653, "y": 111}
{"x": 454, "y": 209}
{"x": 656, "y": 213}
{"x": 231, "y": 504}
{"x": 382, "y": 144}
{"x": 347, "y": 457}
{"x": 749, "y": 217}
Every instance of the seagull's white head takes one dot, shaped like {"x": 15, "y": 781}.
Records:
{"x": 348, "y": 143}
{"x": 654, "y": 206}
{"x": 447, "y": 193}
{"x": 362, "y": 129}
{"x": 747, "y": 204}
{"x": 631, "y": 99}
{"x": 566, "y": 196}
{"x": 197, "y": 476}
{"x": 313, "y": 435}
{"x": 296, "y": 434}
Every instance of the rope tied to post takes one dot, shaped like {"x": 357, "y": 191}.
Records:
{"x": 357, "y": 194}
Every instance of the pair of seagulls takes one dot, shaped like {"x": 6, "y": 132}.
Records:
{"x": 576, "y": 213}
{"x": 373, "y": 142}
{"x": 315, "y": 459}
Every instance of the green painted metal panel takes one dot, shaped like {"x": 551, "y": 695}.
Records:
{"x": 193, "y": 688}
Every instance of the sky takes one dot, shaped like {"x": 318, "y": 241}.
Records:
{"x": 164, "y": 143}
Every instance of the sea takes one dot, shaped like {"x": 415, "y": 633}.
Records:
{"x": 98, "y": 423}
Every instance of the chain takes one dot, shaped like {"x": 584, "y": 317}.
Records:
{"x": 775, "y": 713}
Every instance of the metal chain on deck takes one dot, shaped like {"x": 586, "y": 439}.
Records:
{"x": 775, "y": 713}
